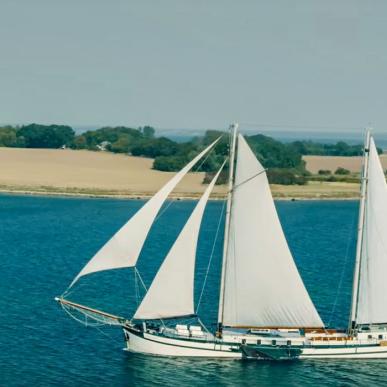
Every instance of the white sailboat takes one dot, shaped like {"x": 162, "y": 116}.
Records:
{"x": 265, "y": 311}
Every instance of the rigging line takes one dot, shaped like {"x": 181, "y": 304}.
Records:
{"x": 100, "y": 322}
{"x": 105, "y": 334}
{"x": 339, "y": 287}
{"x": 250, "y": 178}
{"x": 203, "y": 326}
{"x": 195, "y": 169}
{"x": 140, "y": 278}
{"x": 211, "y": 256}
{"x": 68, "y": 292}
{"x": 136, "y": 289}
{"x": 146, "y": 289}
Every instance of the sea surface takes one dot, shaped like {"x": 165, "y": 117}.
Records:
{"x": 45, "y": 241}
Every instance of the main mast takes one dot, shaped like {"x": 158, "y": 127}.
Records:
{"x": 356, "y": 273}
{"x": 233, "y": 134}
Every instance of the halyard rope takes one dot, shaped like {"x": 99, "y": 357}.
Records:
{"x": 338, "y": 292}
{"x": 211, "y": 256}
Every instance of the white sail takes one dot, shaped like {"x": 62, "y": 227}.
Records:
{"x": 372, "y": 305}
{"x": 262, "y": 285}
{"x": 172, "y": 291}
{"x": 124, "y": 248}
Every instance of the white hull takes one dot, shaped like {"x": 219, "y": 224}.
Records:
{"x": 363, "y": 352}
{"x": 164, "y": 346}
{"x": 158, "y": 345}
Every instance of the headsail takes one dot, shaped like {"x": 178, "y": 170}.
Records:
{"x": 124, "y": 248}
{"x": 371, "y": 306}
{"x": 172, "y": 291}
{"x": 262, "y": 285}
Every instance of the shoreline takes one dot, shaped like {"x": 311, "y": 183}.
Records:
{"x": 69, "y": 173}
{"x": 174, "y": 196}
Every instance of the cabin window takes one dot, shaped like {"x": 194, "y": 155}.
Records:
{"x": 273, "y": 342}
{"x": 370, "y": 336}
{"x": 380, "y": 336}
{"x": 289, "y": 342}
{"x": 243, "y": 341}
{"x": 259, "y": 342}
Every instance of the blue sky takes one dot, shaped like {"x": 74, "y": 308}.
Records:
{"x": 194, "y": 64}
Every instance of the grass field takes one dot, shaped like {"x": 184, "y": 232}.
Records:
{"x": 53, "y": 171}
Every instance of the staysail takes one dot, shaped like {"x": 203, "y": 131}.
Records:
{"x": 172, "y": 291}
{"x": 371, "y": 307}
{"x": 124, "y": 248}
{"x": 262, "y": 285}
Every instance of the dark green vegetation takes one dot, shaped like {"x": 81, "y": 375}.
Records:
{"x": 341, "y": 148}
{"x": 341, "y": 175}
{"x": 282, "y": 160}
{"x": 342, "y": 171}
{"x": 324, "y": 172}
{"x": 36, "y": 136}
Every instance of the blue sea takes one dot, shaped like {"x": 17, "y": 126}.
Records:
{"x": 45, "y": 241}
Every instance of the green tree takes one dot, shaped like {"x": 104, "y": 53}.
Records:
{"x": 161, "y": 146}
{"x": 274, "y": 154}
{"x": 46, "y": 136}
{"x": 8, "y": 137}
{"x": 342, "y": 171}
{"x": 148, "y": 132}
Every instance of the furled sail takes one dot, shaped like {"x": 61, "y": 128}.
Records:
{"x": 172, "y": 291}
{"x": 124, "y": 248}
{"x": 372, "y": 306}
{"x": 262, "y": 285}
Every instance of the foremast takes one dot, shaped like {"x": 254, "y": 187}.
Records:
{"x": 233, "y": 139}
{"x": 360, "y": 233}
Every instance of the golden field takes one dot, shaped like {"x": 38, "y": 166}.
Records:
{"x": 353, "y": 164}
{"x": 70, "y": 172}
{"x": 86, "y": 172}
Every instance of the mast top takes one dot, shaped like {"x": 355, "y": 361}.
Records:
{"x": 234, "y": 126}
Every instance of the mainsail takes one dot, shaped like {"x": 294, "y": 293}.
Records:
{"x": 124, "y": 248}
{"x": 371, "y": 304}
{"x": 262, "y": 285}
{"x": 172, "y": 291}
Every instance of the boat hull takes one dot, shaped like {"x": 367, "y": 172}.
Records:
{"x": 149, "y": 344}
{"x": 158, "y": 345}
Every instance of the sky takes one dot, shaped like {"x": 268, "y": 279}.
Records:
{"x": 179, "y": 64}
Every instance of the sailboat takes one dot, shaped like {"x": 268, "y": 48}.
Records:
{"x": 265, "y": 311}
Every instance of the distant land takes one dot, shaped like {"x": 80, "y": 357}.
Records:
{"x": 104, "y": 174}
{"x": 134, "y": 162}
{"x": 326, "y": 137}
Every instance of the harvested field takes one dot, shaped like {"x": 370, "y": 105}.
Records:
{"x": 353, "y": 164}
{"x": 69, "y": 172}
